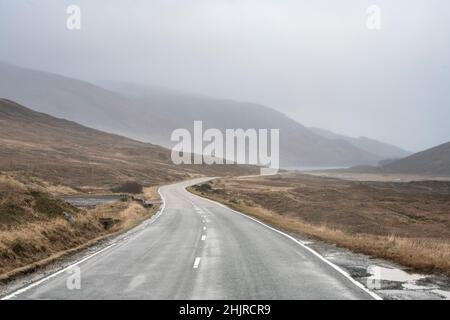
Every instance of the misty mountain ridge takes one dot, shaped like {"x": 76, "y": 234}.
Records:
{"x": 381, "y": 149}
{"x": 151, "y": 114}
{"x": 66, "y": 152}
{"x": 434, "y": 161}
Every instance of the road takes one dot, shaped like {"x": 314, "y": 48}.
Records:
{"x": 197, "y": 249}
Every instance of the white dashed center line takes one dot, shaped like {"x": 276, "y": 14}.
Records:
{"x": 196, "y": 262}
{"x": 203, "y": 237}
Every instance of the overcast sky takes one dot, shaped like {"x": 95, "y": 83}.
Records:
{"x": 314, "y": 60}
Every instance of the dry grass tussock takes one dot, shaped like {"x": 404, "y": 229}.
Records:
{"x": 33, "y": 227}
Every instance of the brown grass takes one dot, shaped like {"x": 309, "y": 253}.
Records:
{"x": 151, "y": 193}
{"x": 66, "y": 153}
{"x": 24, "y": 179}
{"x": 34, "y": 238}
{"x": 418, "y": 247}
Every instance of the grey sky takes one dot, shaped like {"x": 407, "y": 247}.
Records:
{"x": 313, "y": 60}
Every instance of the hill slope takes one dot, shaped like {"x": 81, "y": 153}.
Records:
{"x": 151, "y": 115}
{"x": 299, "y": 146}
{"x": 81, "y": 102}
{"x": 434, "y": 161}
{"x": 65, "y": 152}
{"x": 381, "y": 149}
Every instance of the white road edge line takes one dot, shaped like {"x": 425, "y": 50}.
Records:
{"x": 196, "y": 263}
{"x": 38, "y": 282}
{"x": 35, "y": 284}
{"x": 318, "y": 255}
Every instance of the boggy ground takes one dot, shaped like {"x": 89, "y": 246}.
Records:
{"x": 408, "y": 223}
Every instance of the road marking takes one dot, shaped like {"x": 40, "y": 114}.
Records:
{"x": 38, "y": 282}
{"x": 196, "y": 262}
{"x": 203, "y": 237}
{"x": 34, "y": 284}
{"x": 204, "y": 228}
{"x": 315, "y": 253}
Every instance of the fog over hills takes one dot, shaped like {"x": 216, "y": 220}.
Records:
{"x": 151, "y": 114}
{"x": 66, "y": 152}
{"x": 78, "y": 101}
{"x": 381, "y": 149}
{"x": 434, "y": 161}
{"x": 299, "y": 146}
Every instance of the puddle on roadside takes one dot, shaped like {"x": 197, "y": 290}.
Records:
{"x": 390, "y": 274}
{"x": 86, "y": 201}
{"x": 443, "y": 293}
{"x": 385, "y": 278}
{"x": 381, "y": 277}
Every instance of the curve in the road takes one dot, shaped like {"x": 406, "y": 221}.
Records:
{"x": 196, "y": 248}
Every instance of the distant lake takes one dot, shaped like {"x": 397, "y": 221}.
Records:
{"x": 313, "y": 168}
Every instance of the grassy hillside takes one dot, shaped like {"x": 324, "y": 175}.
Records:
{"x": 36, "y": 227}
{"x": 150, "y": 115}
{"x": 69, "y": 154}
{"x": 42, "y": 156}
{"x": 434, "y": 161}
{"x": 299, "y": 146}
{"x": 19, "y": 205}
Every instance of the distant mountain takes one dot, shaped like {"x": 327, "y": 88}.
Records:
{"x": 150, "y": 115}
{"x": 81, "y": 102}
{"x": 380, "y": 149}
{"x": 299, "y": 146}
{"x": 65, "y": 152}
{"x": 434, "y": 161}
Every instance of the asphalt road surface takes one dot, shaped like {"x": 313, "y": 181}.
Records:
{"x": 196, "y": 249}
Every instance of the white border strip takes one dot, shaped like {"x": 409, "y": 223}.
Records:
{"x": 337, "y": 268}
{"x": 38, "y": 282}
{"x": 196, "y": 263}
{"x": 35, "y": 284}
